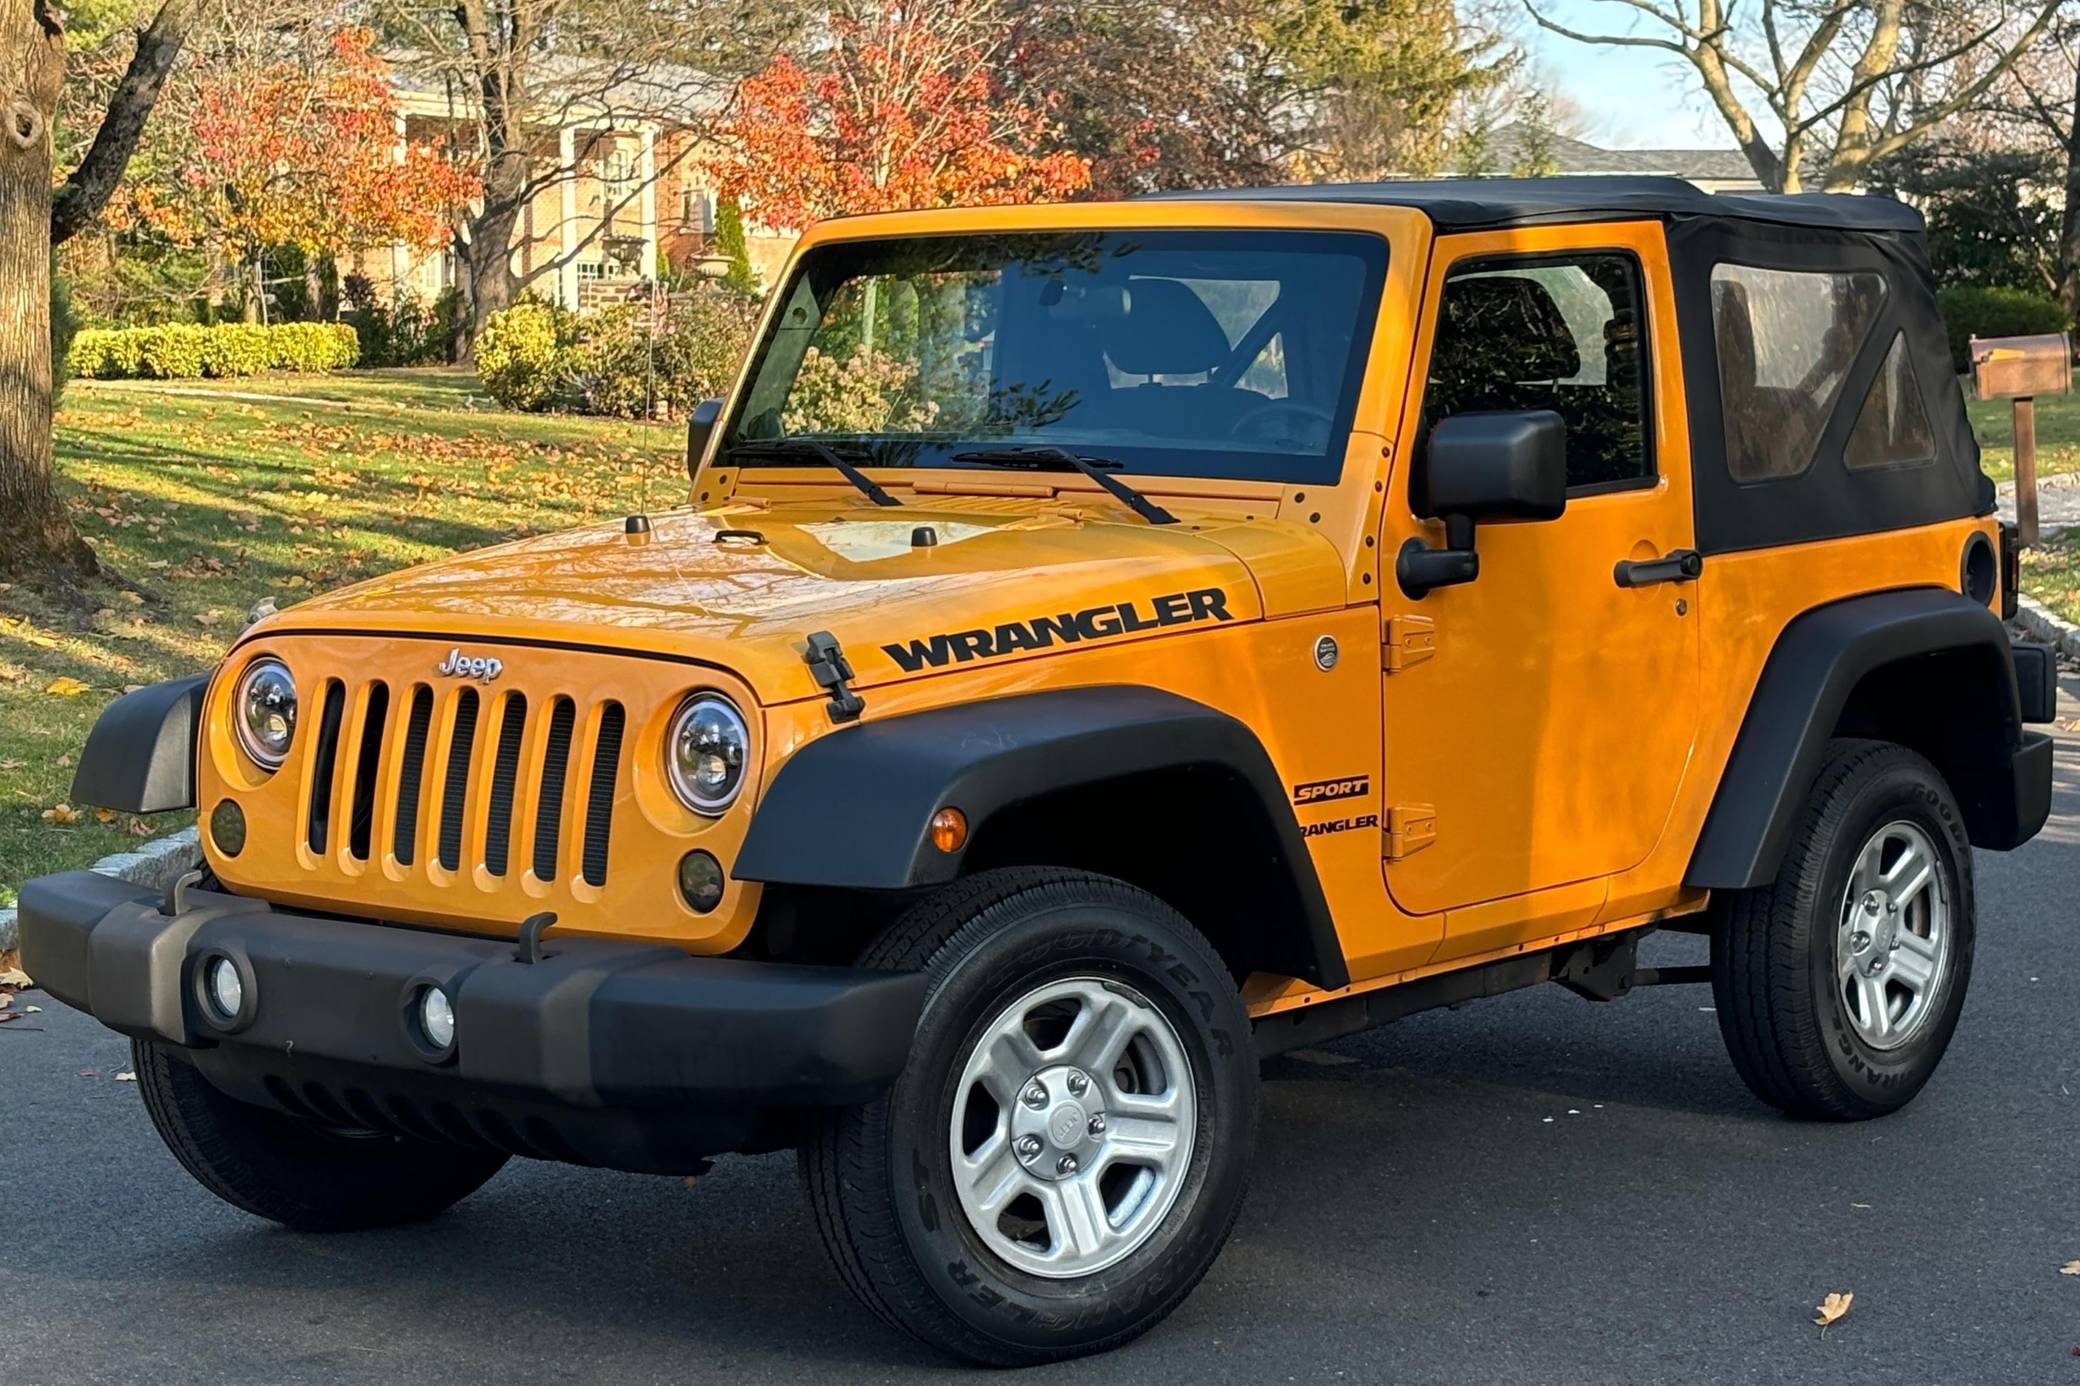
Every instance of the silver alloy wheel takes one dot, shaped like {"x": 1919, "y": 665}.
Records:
{"x": 1072, "y": 1127}
{"x": 1892, "y": 950}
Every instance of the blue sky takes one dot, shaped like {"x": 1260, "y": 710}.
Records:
{"x": 1628, "y": 97}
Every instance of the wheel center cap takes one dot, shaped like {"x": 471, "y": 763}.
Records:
{"x": 1065, "y": 1125}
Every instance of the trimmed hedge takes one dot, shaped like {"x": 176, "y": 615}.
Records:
{"x": 537, "y": 356}
{"x": 189, "y": 351}
{"x": 1970, "y": 310}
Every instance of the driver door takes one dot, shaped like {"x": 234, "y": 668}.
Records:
{"x": 1542, "y": 714}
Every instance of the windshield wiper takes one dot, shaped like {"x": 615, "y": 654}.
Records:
{"x": 1041, "y": 455}
{"x": 822, "y": 452}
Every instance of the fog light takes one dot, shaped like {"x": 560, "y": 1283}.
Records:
{"x": 227, "y": 828}
{"x": 437, "y": 1018}
{"x": 700, "y": 881}
{"x": 227, "y": 990}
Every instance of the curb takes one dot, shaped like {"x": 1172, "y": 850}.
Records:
{"x": 156, "y": 864}
{"x": 2041, "y": 623}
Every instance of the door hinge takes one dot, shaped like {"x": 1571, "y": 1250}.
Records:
{"x": 1410, "y": 641}
{"x": 1410, "y": 828}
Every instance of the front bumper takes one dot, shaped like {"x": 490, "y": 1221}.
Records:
{"x": 619, "y": 1054}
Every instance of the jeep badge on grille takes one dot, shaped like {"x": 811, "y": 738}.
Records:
{"x": 461, "y": 666}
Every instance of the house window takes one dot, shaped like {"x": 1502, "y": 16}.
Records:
{"x": 697, "y": 210}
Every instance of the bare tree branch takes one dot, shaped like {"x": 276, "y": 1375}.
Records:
{"x": 78, "y": 202}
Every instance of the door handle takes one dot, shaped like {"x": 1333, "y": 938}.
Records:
{"x": 1682, "y": 565}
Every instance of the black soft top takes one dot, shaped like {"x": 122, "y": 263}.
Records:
{"x": 1486, "y": 204}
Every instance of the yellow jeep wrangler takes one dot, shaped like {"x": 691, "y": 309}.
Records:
{"x": 1109, "y": 644}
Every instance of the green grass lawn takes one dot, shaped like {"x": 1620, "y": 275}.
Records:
{"x": 211, "y": 502}
{"x": 2051, "y": 572}
{"x": 2058, "y": 434}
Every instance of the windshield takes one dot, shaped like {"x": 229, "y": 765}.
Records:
{"x": 1181, "y": 353}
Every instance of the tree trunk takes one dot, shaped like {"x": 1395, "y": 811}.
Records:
{"x": 36, "y": 534}
{"x": 488, "y": 254}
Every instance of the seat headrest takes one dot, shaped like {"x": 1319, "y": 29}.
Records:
{"x": 1510, "y": 326}
{"x": 1167, "y": 330}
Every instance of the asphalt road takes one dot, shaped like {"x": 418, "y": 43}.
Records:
{"x": 1532, "y": 1189}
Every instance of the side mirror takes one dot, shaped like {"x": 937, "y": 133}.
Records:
{"x": 700, "y": 424}
{"x": 1491, "y": 467}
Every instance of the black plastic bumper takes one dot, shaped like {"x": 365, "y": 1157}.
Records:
{"x": 603, "y": 1052}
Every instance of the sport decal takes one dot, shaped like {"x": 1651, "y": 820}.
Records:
{"x": 1041, "y": 632}
{"x": 1322, "y": 791}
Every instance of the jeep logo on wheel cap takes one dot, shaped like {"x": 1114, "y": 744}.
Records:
{"x": 461, "y": 666}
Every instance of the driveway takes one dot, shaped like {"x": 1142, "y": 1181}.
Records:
{"x": 1531, "y": 1189}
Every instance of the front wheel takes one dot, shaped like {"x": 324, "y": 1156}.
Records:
{"x": 1068, "y": 1147}
{"x": 1839, "y": 984}
{"x": 296, "y": 1172}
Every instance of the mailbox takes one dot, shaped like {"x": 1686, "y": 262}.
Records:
{"x": 2022, "y": 367}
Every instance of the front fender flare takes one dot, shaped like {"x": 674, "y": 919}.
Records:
{"x": 140, "y": 756}
{"x": 852, "y": 808}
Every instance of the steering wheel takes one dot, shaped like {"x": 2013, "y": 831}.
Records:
{"x": 1248, "y": 424}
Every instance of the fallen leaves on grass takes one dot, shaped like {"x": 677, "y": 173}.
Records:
{"x": 1834, "y": 1306}
{"x": 66, "y": 687}
{"x": 62, "y": 814}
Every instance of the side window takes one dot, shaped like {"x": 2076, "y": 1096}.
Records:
{"x": 1892, "y": 427}
{"x": 1565, "y": 333}
{"x": 1786, "y": 340}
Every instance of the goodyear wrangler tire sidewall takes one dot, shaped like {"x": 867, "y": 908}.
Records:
{"x": 985, "y": 1292}
{"x": 1887, "y": 1079}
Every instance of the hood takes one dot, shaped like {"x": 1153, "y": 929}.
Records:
{"x": 744, "y": 586}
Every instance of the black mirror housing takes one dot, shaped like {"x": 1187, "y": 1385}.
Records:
{"x": 1497, "y": 467}
{"x": 699, "y": 425}
{"x": 1488, "y": 467}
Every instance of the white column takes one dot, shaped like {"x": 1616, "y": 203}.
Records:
{"x": 647, "y": 202}
{"x": 400, "y": 257}
{"x": 567, "y": 280}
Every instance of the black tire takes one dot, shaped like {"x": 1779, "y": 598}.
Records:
{"x": 1784, "y": 1015}
{"x": 879, "y": 1177}
{"x": 295, "y": 1172}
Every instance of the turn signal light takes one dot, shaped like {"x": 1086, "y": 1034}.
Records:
{"x": 949, "y": 829}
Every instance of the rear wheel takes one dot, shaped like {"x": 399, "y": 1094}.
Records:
{"x": 296, "y": 1172}
{"x": 1067, "y": 1149}
{"x": 1839, "y": 984}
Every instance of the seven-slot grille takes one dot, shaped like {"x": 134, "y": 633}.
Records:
{"x": 419, "y": 752}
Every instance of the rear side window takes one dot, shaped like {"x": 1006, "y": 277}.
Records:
{"x": 1892, "y": 427}
{"x": 1563, "y": 333}
{"x": 1786, "y": 340}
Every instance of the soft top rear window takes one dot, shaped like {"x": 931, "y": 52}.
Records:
{"x": 1182, "y": 353}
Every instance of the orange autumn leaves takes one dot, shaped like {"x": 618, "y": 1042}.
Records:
{"x": 296, "y": 153}
{"x": 900, "y": 111}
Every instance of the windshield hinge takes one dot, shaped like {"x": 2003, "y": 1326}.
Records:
{"x": 1410, "y": 828}
{"x": 828, "y": 666}
{"x": 1410, "y": 641}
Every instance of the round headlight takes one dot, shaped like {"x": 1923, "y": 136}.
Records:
{"x": 705, "y": 752}
{"x": 264, "y": 710}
